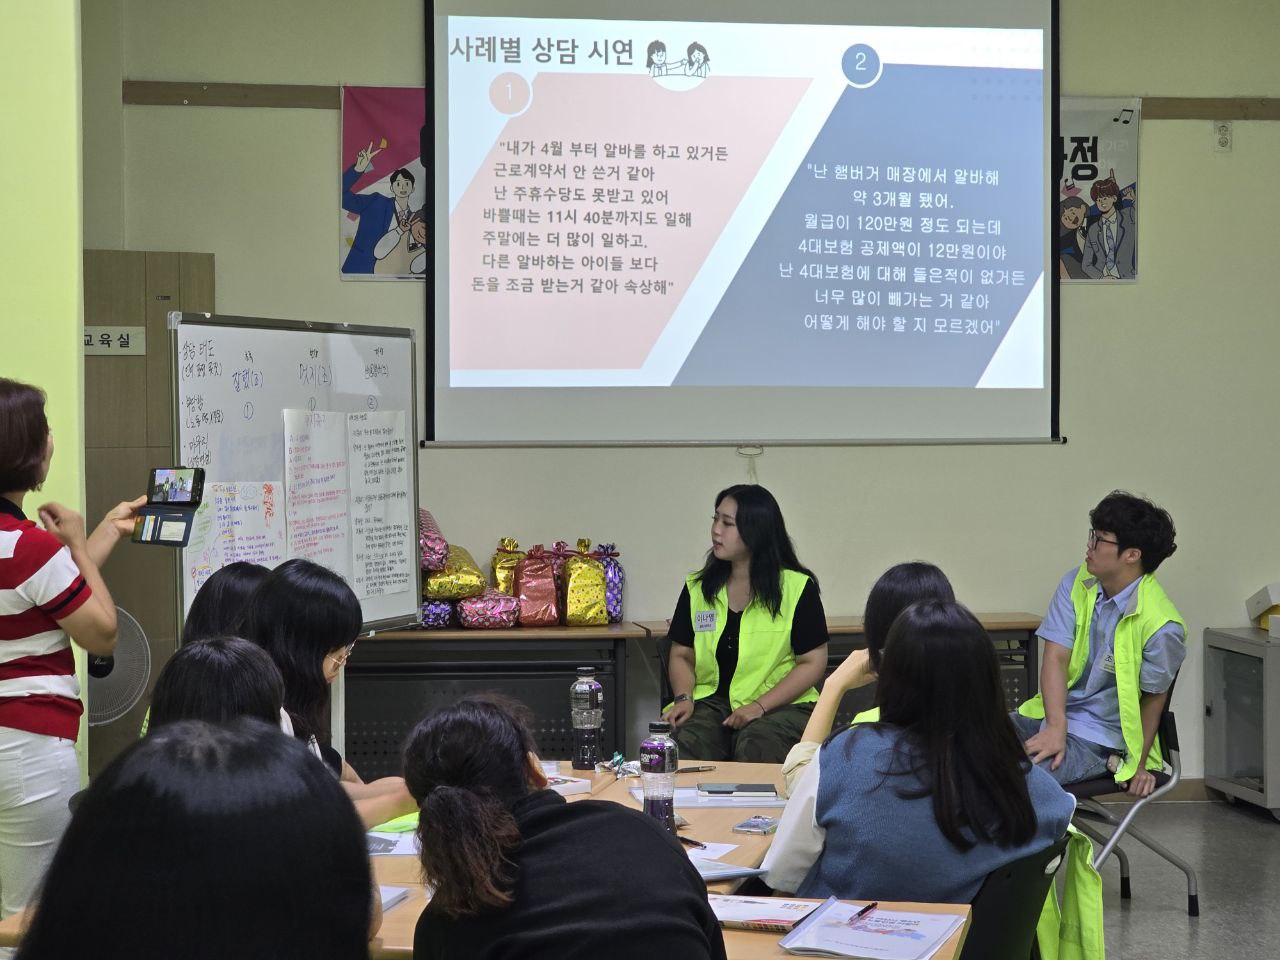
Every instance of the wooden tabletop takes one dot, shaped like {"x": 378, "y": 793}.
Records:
{"x": 611, "y": 631}
{"x": 713, "y": 824}
{"x": 852, "y": 626}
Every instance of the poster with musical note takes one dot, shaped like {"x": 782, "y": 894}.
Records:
{"x": 1097, "y": 228}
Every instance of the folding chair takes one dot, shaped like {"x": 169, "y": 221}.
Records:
{"x": 1008, "y": 905}
{"x": 1086, "y": 791}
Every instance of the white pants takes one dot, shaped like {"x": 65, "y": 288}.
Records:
{"x": 38, "y": 775}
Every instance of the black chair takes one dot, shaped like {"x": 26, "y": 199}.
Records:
{"x": 1089, "y": 809}
{"x": 1007, "y": 907}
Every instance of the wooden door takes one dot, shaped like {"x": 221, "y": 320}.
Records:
{"x": 129, "y": 409}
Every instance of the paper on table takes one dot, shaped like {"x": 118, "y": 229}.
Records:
{"x": 881, "y": 935}
{"x": 236, "y": 521}
{"x": 689, "y": 797}
{"x": 392, "y": 844}
{"x": 714, "y": 851}
{"x": 317, "y": 491}
{"x": 390, "y": 896}
{"x": 715, "y": 870}
{"x": 377, "y": 457}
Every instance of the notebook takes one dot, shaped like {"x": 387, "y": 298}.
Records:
{"x": 770, "y": 914}
{"x": 880, "y": 935}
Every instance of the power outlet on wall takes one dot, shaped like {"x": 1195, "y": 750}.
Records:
{"x": 1222, "y": 136}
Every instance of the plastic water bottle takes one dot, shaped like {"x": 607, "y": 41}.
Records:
{"x": 659, "y": 760}
{"x": 586, "y": 702}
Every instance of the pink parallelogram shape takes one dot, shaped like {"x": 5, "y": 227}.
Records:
{"x": 511, "y": 330}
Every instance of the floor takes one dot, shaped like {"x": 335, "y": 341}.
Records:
{"x": 1235, "y": 850}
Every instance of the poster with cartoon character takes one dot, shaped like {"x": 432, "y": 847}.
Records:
{"x": 383, "y": 224}
{"x": 1097, "y": 203}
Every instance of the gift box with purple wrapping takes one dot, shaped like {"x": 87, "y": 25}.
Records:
{"x": 438, "y": 615}
{"x": 614, "y": 579}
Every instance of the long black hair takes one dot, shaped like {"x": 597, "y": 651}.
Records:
{"x": 899, "y": 587}
{"x": 219, "y": 605}
{"x": 218, "y": 680}
{"x": 764, "y": 533}
{"x": 301, "y": 613}
{"x": 939, "y": 684}
{"x": 466, "y": 765}
{"x": 207, "y": 842}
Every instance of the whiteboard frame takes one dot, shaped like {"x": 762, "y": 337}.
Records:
{"x": 177, "y": 318}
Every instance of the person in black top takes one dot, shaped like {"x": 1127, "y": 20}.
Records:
{"x": 748, "y": 638}
{"x": 520, "y": 874}
{"x": 307, "y": 619}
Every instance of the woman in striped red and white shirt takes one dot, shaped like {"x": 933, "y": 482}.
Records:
{"x": 50, "y": 587}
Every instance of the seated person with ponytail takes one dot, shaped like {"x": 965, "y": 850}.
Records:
{"x": 519, "y": 873}
{"x": 923, "y": 803}
{"x": 748, "y": 638}
{"x": 898, "y": 587}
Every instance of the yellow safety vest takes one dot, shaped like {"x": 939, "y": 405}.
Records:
{"x": 1149, "y": 610}
{"x": 1074, "y": 931}
{"x": 764, "y": 642}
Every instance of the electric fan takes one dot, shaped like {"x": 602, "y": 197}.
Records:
{"x": 117, "y": 682}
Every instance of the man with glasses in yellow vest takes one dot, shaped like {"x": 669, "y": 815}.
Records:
{"x": 1113, "y": 644}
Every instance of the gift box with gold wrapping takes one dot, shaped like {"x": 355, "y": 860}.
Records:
{"x": 504, "y": 563}
{"x": 584, "y": 589}
{"x": 459, "y": 579}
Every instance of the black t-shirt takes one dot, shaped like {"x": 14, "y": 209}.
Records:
{"x": 808, "y": 631}
{"x": 593, "y": 879}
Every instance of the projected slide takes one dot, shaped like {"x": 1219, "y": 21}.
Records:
{"x": 639, "y": 203}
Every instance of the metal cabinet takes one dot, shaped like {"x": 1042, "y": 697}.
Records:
{"x": 1242, "y": 715}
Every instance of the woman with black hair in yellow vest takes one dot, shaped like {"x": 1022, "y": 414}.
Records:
{"x": 748, "y": 638}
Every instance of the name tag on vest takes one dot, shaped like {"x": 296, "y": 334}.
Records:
{"x": 704, "y": 620}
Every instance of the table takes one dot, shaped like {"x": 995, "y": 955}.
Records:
{"x": 395, "y": 677}
{"x": 1014, "y": 636}
{"x": 395, "y": 939}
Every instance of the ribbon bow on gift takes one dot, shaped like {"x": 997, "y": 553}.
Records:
{"x": 603, "y": 550}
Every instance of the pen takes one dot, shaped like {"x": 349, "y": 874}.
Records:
{"x": 863, "y": 912}
{"x": 703, "y": 768}
{"x": 690, "y": 842}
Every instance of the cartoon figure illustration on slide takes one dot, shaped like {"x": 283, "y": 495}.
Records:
{"x": 378, "y": 213}
{"x": 1111, "y": 242}
{"x": 1074, "y": 222}
{"x": 697, "y": 63}
{"x": 656, "y": 61}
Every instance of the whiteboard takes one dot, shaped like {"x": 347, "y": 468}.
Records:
{"x": 236, "y": 377}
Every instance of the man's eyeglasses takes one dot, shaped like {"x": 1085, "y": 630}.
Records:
{"x": 1094, "y": 540}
